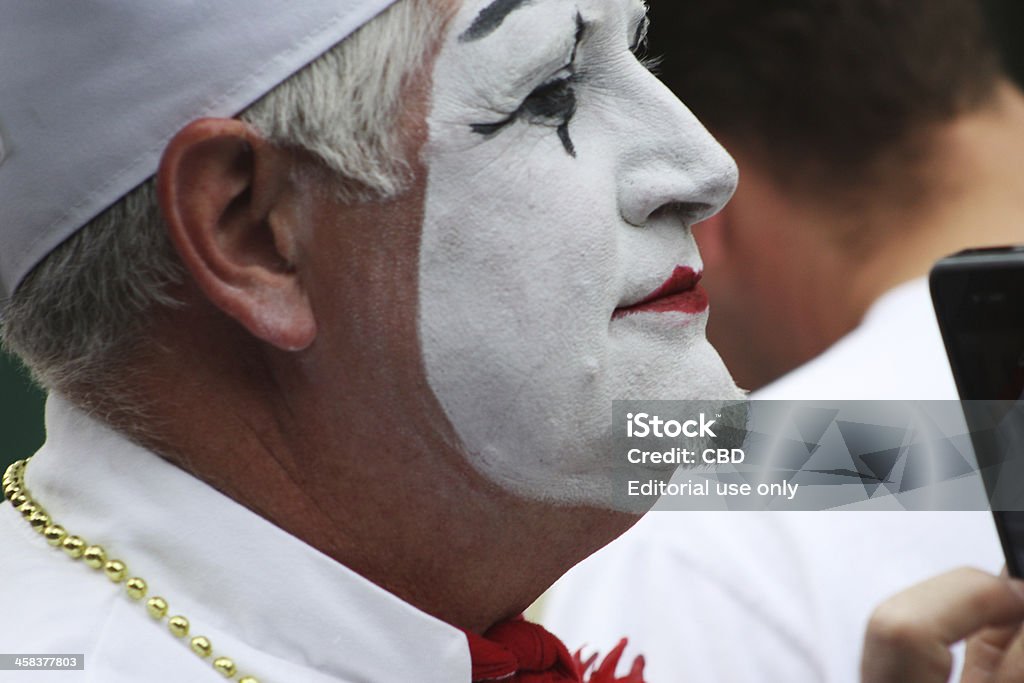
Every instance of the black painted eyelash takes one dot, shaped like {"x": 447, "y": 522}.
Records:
{"x": 639, "y": 47}
{"x": 639, "y": 44}
{"x": 555, "y": 101}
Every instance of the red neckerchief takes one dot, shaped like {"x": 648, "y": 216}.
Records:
{"x": 516, "y": 651}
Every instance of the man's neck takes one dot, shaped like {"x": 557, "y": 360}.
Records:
{"x": 975, "y": 196}
{"x": 393, "y": 501}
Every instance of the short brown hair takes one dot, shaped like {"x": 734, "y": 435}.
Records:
{"x": 820, "y": 91}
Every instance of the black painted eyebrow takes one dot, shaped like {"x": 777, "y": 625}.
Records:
{"x": 490, "y": 19}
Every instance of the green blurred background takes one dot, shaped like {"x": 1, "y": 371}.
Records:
{"x": 21, "y": 410}
{"x": 21, "y": 404}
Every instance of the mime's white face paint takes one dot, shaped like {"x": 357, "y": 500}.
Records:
{"x": 555, "y": 160}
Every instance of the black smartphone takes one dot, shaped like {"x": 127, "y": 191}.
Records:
{"x": 979, "y": 301}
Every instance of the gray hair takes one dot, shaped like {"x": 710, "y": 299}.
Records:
{"x": 88, "y": 303}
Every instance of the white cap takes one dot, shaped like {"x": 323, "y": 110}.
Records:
{"x": 92, "y": 90}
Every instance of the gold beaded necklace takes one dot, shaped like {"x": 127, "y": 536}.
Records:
{"x": 96, "y": 557}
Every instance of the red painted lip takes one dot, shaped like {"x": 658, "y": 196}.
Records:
{"x": 681, "y": 293}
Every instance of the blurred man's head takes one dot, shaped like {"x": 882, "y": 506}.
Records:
{"x": 843, "y": 116}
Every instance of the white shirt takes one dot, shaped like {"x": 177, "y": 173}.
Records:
{"x": 282, "y": 610}
{"x": 895, "y": 353}
{"x": 732, "y": 597}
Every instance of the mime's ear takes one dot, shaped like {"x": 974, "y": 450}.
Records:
{"x": 222, "y": 189}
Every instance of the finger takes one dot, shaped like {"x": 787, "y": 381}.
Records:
{"x": 954, "y": 605}
{"x": 909, "y": 635}
{"x": 996, "y": 651}
{"x": 986, "y": 652}
{"x": 1012, "y": 668}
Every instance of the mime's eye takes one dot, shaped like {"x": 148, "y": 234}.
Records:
{"x": 553, "y": 100}
{"x": 551, "y": 104}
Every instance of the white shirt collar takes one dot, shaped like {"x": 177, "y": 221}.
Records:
{"x": 229, "y": 570}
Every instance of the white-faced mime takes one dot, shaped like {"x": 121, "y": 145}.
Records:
{"x": 332, "y": 300}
